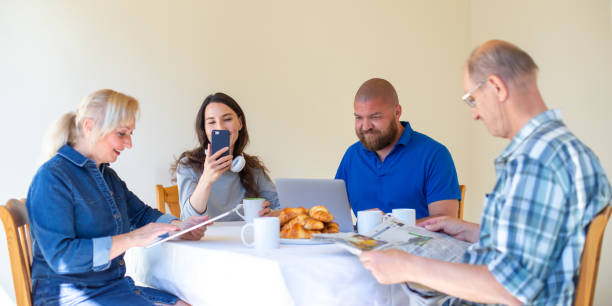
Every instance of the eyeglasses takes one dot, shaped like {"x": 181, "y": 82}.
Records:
{"x": 467, "y": 98}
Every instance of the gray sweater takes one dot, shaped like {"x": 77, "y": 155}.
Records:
{"x": 225, "y": 193}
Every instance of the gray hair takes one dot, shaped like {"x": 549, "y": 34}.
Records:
{"x": 502, "y": 59}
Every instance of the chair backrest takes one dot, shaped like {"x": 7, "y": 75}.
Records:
{"x": 17, "y": 227}
{"x": 589, "y": 264}
{"x": 168, "y": 195}
{"x": 462, "y": 189}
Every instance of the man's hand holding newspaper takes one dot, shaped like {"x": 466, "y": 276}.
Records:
{"x": 394, "y": 234}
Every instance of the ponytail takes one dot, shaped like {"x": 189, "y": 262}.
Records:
{"x": 107, "y": 108}
{"x": 63, "y": 131}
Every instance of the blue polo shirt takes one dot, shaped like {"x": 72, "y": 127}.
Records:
{"x": 417, "y": 171}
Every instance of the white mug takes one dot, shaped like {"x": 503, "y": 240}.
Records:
{"x": 266, "y": 233}
{"x": 251, "y": 207}
{"x": 406, "y": 215}
{"x": 367, "y": 220}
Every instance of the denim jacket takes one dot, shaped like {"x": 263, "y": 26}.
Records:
{"x": 74, "y": 209}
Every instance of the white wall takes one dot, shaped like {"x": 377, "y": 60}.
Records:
{"x": 293, "y": 66}
{"x": 571, "y": 41}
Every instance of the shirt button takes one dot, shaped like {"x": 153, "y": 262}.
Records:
{"x": 112, "y": 193}
{"x": 116, "y": 216}
{"x": 121, "y": 262}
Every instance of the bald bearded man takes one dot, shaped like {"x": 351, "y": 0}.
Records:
{"x": 393, "y": 166}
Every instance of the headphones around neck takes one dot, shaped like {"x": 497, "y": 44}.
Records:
{"x": 238, "y": 163}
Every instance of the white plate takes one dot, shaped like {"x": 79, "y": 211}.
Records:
{"x": 302, "y": 241}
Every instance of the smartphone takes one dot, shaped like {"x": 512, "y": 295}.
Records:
{"x": 219, "y": 140}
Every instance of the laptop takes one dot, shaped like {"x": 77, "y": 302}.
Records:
{"x": 294, "y": 192}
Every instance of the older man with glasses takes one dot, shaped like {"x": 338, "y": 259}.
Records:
{"x": 549, "y": 188}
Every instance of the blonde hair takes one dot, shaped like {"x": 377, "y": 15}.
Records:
{"x": 109, "y": 110}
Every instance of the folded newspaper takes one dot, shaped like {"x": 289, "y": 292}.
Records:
{"x": 394, "y": 234}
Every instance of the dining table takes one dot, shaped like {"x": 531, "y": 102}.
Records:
{"x": 220, "y": 270}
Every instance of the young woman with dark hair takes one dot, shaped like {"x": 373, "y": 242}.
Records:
{"x": 206, "y": 186}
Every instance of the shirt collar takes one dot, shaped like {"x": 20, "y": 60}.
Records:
{"x": 534, "y": 124}
{"x": 76, "y": 157}
{"x": 403, "y": 140}
{"x": 406, "y": 135}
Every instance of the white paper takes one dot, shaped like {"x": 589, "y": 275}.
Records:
{"x": 160, "y": 240}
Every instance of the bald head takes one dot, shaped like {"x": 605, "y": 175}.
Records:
{"x": 503, "y": 59}
{"x": 377, "y": 88}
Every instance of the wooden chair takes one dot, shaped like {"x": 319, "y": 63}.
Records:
{"x": 589, "y": 264}
{"x": 168, "y": 195}
{"x": 16, "y": 225}
{"x": 462, "y": 189}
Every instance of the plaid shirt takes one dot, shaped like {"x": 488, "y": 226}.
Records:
{"x": 549, "y": 187}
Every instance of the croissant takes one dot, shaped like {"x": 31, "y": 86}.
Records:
{"x": 331, "y": 228}
{"x": 321, "y": 213}
{"x": 301, "y": 223}
{"x": 295, "y": 230}
{"x": 313, "y": 224}
{"x": 307, "y": 222}
{"x": 290, "y": 213}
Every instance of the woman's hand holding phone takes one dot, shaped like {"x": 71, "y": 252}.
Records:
{"x": 215, "y": 166}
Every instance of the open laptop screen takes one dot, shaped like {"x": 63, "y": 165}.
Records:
{"x": 294, "y": 192}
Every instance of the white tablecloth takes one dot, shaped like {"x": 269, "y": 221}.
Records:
{"x": 220, "y": 270}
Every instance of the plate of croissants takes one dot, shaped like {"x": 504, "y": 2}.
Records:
{"x": 299, "y": 224}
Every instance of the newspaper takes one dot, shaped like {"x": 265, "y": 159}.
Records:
{"x": 392, "y": 233}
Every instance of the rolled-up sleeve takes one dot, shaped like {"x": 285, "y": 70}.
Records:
{"x": 101, "y": 253}
{"x": 166, "y": 218}
{"x": 187, "y": 181}
{"x": 515, "y": 277}
{"x": 102, "y": 246}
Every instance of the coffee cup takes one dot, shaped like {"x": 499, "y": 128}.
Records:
{"x": 367, "y": 220}
{"x": 406, "y": 215}
{"x": 266, "y": 233}
{"x": 251, "y": 207}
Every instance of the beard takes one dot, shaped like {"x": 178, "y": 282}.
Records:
{"x": 375, "y": 140}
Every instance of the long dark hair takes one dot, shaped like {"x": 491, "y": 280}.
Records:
{"x": 195, "y": 158}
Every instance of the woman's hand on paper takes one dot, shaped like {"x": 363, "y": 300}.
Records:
{"x": 139, "y": 237}
{"x": 148, "y": 233}
{"x": 454, "y": 227}
{"x": 195, "y": 234}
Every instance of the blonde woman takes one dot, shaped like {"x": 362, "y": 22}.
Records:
{"x": 82, "y": 215}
